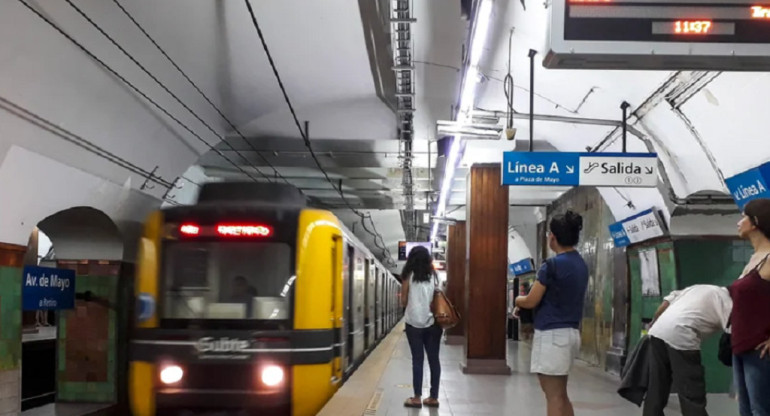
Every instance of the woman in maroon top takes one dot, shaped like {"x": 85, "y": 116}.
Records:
{"x": 751, "y": 314}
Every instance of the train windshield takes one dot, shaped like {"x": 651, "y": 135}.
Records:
{"x": 218, "y": 280}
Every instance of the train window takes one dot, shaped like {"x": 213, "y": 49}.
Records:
{"x": 227, "y": 280}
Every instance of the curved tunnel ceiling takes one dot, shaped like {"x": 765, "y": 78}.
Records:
{"x": 334, "y": 58}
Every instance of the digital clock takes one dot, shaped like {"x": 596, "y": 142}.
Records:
{"x": 700, "y": 27}
{"x": 655, "y": 34}
{"x": 692, "y": 28}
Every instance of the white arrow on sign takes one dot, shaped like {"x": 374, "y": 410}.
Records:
{"x": 570, "y": 170}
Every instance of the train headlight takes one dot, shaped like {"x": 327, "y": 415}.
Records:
{"x": 272, "y": 375}
{"x": 171, "y": 374}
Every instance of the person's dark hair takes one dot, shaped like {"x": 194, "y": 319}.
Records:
{"x": 566, "y": 228}
{"x": 419, "y": 264}
{"x": 758, "y": 211}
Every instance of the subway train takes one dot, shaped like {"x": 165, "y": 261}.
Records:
{"x": 249, "y": 302}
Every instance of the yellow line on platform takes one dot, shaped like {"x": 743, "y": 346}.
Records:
{"x": 359, "y": 395}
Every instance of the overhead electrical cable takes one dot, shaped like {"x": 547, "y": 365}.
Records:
{"x": 165, "y": 88}
{"x": 132, "y": 86}
{"x": 304, "y": 135}
{"x": 195, "y": 86}
{"x": 79, "y": 141}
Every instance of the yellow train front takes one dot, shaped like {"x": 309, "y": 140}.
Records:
{"x": 249, "y": 302}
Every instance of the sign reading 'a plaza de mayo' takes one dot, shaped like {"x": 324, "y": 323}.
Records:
{"x": 580, "y": 169}
{"x": 748, "y": 185}
{"x": 635, "y": 229}
{"x": 44, "y": 288}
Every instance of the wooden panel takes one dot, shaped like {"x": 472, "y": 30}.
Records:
{"x": 455, "y": 273}
{"x": 487, "y": 263}
{"x": 12, "y": 255}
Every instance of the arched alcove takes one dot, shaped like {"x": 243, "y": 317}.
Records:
{"x": 82, "y": 233}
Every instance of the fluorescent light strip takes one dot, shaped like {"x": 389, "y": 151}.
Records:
{"x": 467, "y": 98}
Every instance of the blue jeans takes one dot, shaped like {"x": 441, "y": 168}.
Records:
{"x": 752, "y": 376}
{"x": 421, "y": 341}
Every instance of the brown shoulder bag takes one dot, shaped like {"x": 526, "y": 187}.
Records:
{"x": 444, "y": 312}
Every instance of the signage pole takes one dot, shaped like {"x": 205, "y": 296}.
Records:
{"x": 532, "y": 54}
{"x": 624, "y": 106}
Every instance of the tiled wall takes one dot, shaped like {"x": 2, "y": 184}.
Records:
{"x": 716, "y": 261}
{"x": 87, "y": 336}
{"x": 599, "y": 252}
{"x": 11, "y": 258}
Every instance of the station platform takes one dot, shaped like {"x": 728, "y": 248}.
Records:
{"x": 383, "y": 382}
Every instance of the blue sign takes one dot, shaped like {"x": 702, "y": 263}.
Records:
{"x": 522, "y": 267}
{"x": 619, "y": 235}
{"x": 580, "y": 169}
{"x": 44, "y": 288}
{"x": 637, "y": 228}
{"x": 748, "y": 185}
{"x": 541, "y": 168}
{"x": 145, "y": 307}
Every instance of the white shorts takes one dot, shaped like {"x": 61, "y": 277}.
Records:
{"x": 554, "y": 351}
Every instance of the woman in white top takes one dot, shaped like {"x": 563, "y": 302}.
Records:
{"x": 423, "y": 334}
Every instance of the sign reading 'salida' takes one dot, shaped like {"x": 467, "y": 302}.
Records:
{"x": 580, "y": 169}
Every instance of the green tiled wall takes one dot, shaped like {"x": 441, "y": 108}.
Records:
{"x": 682, "y": 264}
{"x": 104, "y": 287}
{"x": 715, "y": 262}
{"x": 644, "y": 307}
{"x": 10, "y": 318}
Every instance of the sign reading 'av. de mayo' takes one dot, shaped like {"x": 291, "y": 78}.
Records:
{"x": 45, "y": 288}
{"x": 748, "y": 185}
{"x": 580, "y": 169}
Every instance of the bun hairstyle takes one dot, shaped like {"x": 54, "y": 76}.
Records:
{"x": 566, "y": 228}
{"x": 758, "y": 211}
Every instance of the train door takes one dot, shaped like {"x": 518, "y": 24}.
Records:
{"x": 367, "y": 315}
{"x": 390, "y": 304}
{"x": 370, "y": 316}
{"x": 383, "y": 303}
{"x": 359, "y": 280}
{"x": 377, "y": 303}
{"x": 348, "y": 319}
{"x": 338, "y": 364}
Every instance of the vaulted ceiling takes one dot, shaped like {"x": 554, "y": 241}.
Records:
{"x": 367, "y": 81}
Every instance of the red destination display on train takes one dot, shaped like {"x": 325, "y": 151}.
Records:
{"x": 717, "y": 21}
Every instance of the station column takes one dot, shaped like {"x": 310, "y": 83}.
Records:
{"x": 486, "y": 272}
{"x": 455, "y": 273}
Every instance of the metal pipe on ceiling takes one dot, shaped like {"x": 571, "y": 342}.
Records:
{"x": 401, "y": 20}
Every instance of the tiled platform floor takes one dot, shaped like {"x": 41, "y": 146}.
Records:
{"x": 592, "y": 391}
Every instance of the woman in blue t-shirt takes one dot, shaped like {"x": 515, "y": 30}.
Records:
{"x": 557, "y": 298}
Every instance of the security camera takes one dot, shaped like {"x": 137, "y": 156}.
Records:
{"x": 508, "y": 133}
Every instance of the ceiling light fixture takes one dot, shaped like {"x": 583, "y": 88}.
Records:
{"x": 467, "y": 98}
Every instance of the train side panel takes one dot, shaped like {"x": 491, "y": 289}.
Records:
{"x": 316, "y": 305}
{"x": 142, "y": 374}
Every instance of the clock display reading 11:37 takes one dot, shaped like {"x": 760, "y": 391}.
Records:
{"x": 693, "y": 27}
